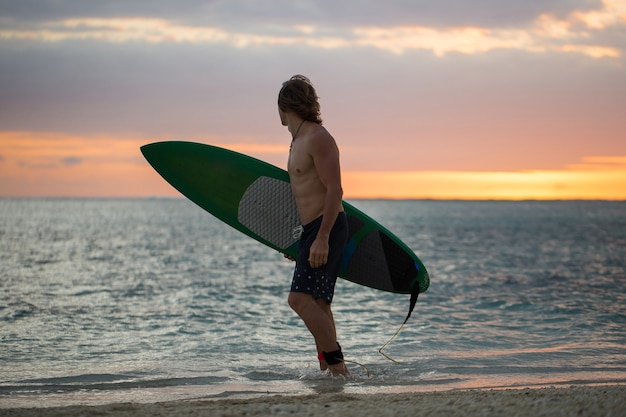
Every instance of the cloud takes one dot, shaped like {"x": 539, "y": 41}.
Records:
{"x": 613, "y": 13}
{"x": 246, "y": 13}
{"x": 71, "y": 160}
{"x": 164, "y": 31}
{"x": 45, "y": 10}
{"x": 454, "y": 85}
{"x": 113, "y": 166}
{"x": 395, "y": 27}
{"x": 504, "y": 109}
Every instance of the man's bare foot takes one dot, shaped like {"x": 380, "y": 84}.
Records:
{"x": 339, "y": 369}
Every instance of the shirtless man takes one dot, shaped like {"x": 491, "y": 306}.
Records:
{"x": 314, "y": 171}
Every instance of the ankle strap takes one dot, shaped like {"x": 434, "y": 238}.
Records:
{"x": 333, "y": 358}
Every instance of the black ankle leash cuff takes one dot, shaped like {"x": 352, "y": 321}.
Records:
{"x": 333, "y": 358}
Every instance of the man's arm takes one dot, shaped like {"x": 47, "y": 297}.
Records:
{"x": 326, "y": 159}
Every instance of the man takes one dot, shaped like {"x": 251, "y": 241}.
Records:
{"x": 314, "y": 171}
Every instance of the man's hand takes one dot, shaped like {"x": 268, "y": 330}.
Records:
{"x": 318, "y": 254}
{"x": 291, "y": 258}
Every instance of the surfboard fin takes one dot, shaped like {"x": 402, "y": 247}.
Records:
{"x": 414, "y": 294}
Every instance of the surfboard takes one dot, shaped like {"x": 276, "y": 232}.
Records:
{"x": 255, "y": 198}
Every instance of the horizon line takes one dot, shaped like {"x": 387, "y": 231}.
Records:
{"x": 347, "y": 199}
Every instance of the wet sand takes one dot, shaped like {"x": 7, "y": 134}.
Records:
{"x": 572, "y": 401}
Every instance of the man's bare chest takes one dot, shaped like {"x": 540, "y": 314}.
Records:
{"x": 299, "y": 162}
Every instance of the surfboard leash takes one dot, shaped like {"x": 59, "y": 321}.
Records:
{"x": 367, "y": 371}
{"x": 414, "y": 294}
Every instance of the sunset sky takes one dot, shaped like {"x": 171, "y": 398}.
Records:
{"x": 443, "y": 99}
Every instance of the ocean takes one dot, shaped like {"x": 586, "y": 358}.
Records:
{"x": 146, "y": 300}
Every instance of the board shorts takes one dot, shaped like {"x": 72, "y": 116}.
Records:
{"x": 320, "y": 282}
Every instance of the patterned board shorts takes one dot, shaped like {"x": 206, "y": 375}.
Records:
{"x": 320, "y": 282}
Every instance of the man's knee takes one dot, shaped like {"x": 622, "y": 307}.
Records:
{"x": 299, "y": 300}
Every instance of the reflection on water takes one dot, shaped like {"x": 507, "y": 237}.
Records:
{"x": 115, "y": 300}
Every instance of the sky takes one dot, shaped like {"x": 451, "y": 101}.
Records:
{"x": 442, "y": 99}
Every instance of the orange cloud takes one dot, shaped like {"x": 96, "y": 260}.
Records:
{"x": 55, "y": 164}
{"x": 612, "y": 13}
{"x": 546, "y": 34}
{"x": 129, "y": 29}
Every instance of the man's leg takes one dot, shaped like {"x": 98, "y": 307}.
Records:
{"x": 320, "y": 323}
{"x": 326, "y": 308}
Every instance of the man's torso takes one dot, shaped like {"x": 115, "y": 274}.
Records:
{"x": 307, "y": 188}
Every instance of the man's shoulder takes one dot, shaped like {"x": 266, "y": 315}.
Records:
{"x": 321, "y": 138}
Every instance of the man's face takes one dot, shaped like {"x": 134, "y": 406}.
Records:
{"x": 283, "y": 117}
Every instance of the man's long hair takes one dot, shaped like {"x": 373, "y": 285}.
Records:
{"x": 298, "y": 95}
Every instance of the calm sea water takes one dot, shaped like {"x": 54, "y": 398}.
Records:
{"x": 151, "y": 300}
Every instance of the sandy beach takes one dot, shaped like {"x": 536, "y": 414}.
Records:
{"x": 572, "y": 401}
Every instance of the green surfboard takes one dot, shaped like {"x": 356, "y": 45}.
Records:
{"x": 255, "y": 198}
